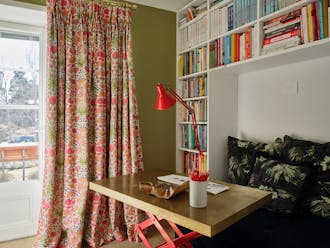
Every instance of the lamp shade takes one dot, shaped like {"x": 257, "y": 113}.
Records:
{"x": 164, "y": 100}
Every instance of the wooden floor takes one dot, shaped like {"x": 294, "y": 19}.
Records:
{"x": 155, "y": 239}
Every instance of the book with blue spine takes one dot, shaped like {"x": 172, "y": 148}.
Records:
{"x": 230, "y": 17}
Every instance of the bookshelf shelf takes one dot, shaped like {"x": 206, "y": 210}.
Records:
{"x": 189, "y": 122}
{"x": 236, "y": 30}
{"x": 195, "y": 98}
{"x": 222, "y": 82}
{"x": 204, "y": 43}
{"x": 193, "y": 75}
{"x": 313, "y": 50}
{"x": 190, "y": 150}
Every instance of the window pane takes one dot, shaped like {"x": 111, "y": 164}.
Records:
{"x": 18, "y": 126}
{"x": 19, "y": 68}
{"x": 19, "y": 151}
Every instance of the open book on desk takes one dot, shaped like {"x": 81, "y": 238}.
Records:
{"x": 213, "y": 188}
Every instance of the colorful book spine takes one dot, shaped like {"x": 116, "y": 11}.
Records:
{"x": 321, "y": 18}
{"x": 310, "y": 23}
{"x": 325, "y": 18}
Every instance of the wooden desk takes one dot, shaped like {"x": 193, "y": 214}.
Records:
{"x": 222, "y": 210}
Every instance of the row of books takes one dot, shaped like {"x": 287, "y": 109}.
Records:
{"x": 194, "y": 87}
{"x": 200, "y": 108}
{"x": 192, "y": 12}
{"x": 307, "y": 24}
{"x": 190, "y": 161}
{"x": 193, "y": 34}
{"x": 192, "y": 61}
{"x": 234, "y": 15}
{"x": 233, "y": 48}
{"x": 188, "y": 138}
{"x": 270, "y": 6}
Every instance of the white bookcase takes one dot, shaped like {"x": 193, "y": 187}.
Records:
{"x": 222, "y": 82}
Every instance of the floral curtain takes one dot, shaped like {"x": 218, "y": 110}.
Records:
{"x": 92, "y": 124}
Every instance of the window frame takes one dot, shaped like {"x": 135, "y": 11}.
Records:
{"x": 39, "y": 31}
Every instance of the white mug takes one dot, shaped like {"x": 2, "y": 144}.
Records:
{"x": 198, "y": 194}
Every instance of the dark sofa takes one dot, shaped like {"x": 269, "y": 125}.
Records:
{"x": 297, "y": 172}
{"x": 265, "y": 229}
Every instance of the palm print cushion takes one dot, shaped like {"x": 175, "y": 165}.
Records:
{"x": 241, "y": 158}
{"x": 242, "y": 154}
{"x": 297, "y": 151}
{"x": 283, "y": 180}
{"x": 319, "y": 201}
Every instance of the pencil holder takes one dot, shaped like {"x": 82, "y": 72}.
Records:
{"x": 198, "y": 194}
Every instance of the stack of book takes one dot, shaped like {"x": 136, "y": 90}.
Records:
{"x": 200, "y": 108}
{"x": 234, "y": 15}
{"x": 192, "y": 61}
{"x": 307, "y": 24}
{"x": 233, "y": 48}
{"x": 270, "y": 6}
{"x": 194, "y": 87}
{"x": 188, "y": 140}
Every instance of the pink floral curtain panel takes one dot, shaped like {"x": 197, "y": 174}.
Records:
{"x": 92, "y": 124}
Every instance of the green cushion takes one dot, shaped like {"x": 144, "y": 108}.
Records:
{"x": 319, "y": 200}
{"x": 296, "y": 151}
{"x": 242, "y": 155}
{"x": 241, "y": 158}
{"x": 283, "y": 180}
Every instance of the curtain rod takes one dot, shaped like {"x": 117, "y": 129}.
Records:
{"x": 123, "y": 4}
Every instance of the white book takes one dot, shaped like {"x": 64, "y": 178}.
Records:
{"x": 304, "y": 24}
{"x": 174, "y": 179}
{"x": 212, "y": 188}
{"x": 280, "y": 45}
{"x": 216, "y": 188}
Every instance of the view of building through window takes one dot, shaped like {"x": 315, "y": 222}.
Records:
{"x": 19, "y": 106}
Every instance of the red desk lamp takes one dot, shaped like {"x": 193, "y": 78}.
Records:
{"x": 167, "y": 97}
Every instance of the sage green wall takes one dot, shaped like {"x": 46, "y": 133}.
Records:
{"x": 154, "y": 42}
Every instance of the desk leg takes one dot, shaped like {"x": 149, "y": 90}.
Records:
{"x": 181, "y": 241}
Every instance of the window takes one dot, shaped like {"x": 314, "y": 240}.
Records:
{"x": 20, "y": 105}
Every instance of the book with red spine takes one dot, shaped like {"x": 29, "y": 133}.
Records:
{"x": 317, "y": 21}
{"x": 238, "y": 47}
{"x": 314, "y": 21}
{"x": 218, "y": 52}
{"x": 326, "y": 18}
{"x": 287, "y": 35}
{"x": 248, "y": 52}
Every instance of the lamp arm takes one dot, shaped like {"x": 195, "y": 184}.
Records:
{"x": 179, "y": 99}
{"x": 193, "y": 116}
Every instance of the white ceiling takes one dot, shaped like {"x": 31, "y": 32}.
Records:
{"x": 171, "y": 5}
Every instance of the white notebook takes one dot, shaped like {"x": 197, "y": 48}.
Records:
{"x": 213, "y": 188}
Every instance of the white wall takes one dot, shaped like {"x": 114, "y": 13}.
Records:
{"x": 292, "y": 99}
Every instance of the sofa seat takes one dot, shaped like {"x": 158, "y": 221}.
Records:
{"x": 265, "y": 229}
